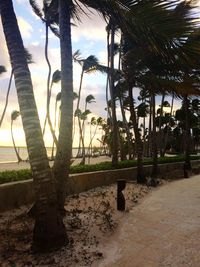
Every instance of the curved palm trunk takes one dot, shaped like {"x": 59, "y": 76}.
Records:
{"x": 49, "y": 89}
{"x": 139, "y": 147}
{"x": 91, "y": 139}
{"x": 55, "y": 124}
{"x": 113, "y": 105}
{"x": 126, "y": 129}
{"x": 83, "y": 139}
{"x": 14, "y": 145}
{"x": 77, "y": 107}
{"x": 49, "y": 74}
{"x": 108, "y": 75}
{"x": 64, "y": 149}
{"x": 7, "y": 96}
{"x": 49, "y": 230}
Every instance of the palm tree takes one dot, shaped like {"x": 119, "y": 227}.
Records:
{"x": 67, "y": 9}
{"x": 49, "y": 16}
{"x": 111, "y": 81}
{"x": 49, "y": 230}
{"x": 14, "y": 115}
{"x": 89, "y": 65}
{"x": 88, "y": 100}
{"x": 121, "y": 94}
{"x": 56, "y": 77}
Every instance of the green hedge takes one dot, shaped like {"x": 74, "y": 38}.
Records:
{"x": 12, "y": 176}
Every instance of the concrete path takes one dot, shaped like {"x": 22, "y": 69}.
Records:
{"x": 162, "y": 231}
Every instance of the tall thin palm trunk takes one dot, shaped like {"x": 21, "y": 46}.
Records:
{"x": 187, "y": 133}
{"x": 154, "y": 140}
{"x": 77, "y": 107}
{"x": 167, "y": 134}
{"x": 160, "y": 131}
{"x": 139, "y": 147}
{"x": 14, "y": 145}
{"x": 113, "y": 104}
{"x": 64, "y": 149}
{"x": 128, "y": 135}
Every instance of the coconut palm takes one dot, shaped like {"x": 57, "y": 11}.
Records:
{"x": 49, "y": 230}
{"x": 49, "y": 16}
{"x": 67, "y": 9}
{"x": 88, "y": 100}
{"x": 89, "y": 65}
{"x": 14, "y": 115}
{"x": 56, "y": 77}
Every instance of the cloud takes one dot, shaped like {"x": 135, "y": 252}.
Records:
{"x": 25, "y": 28}
{"x": 90, "y": 28}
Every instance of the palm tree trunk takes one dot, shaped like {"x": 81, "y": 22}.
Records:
{"x": 64, "y": 149}
{"x": 49, "y": 74}
{"x": 55, "y": 124}
{"x": 187, "y": 134}
{"x": 78, "y": 105}
{"x": 49, "y": 230}
{"x": 150, "y": 130}
{"x": 139, "y": 147}
{"x": 14, "y": 145}
{"x": 160, "y": 131}
{"x": 113, "y": 105}
{"x": 108, "y": 74}
{"x": 153, "y": 139}
{"x": 7, "y": 96}
{"x": 49, "y": 89}
{"x": 128, "y": 135}
{"x": 167, "y": 134}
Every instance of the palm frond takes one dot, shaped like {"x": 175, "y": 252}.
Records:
{"x": 2, "y": 69}
{"x": 36, "y": 9}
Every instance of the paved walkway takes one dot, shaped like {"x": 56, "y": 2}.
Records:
{"x": 163, "y": 231}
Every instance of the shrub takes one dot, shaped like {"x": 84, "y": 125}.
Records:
{"x": 12, "y": 176}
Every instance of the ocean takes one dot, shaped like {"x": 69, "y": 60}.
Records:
{"x": 7, "y": 154}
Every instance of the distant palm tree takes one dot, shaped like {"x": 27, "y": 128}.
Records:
{"x": 89, "y": 65}
{"x": 56, "y": 77}
{"x": 14, "y": 115}
{"x": 49, "y": 16}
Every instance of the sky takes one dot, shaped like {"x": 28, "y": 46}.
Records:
{"x": 89, "y": 37}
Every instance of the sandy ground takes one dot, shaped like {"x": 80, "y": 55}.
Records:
{"x": 25, "y": 165}
{"x": 91, "y": 222}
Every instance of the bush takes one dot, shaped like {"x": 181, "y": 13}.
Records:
{"x": 12, "y": 176}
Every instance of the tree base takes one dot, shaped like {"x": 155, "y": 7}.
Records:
{"x": 49, "y": 233}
